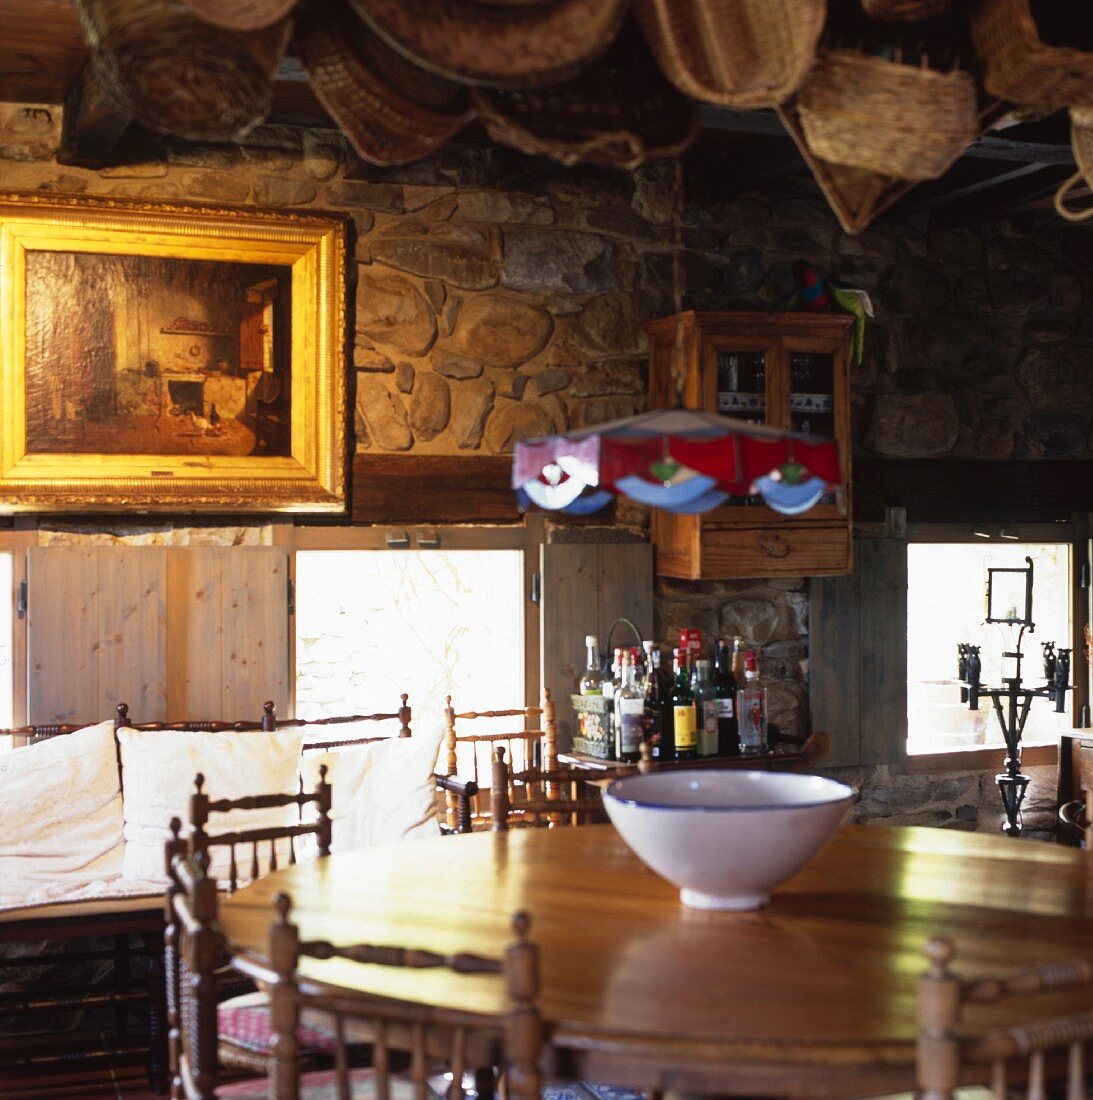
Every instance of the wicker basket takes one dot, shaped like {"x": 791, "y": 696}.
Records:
{"x": 1018, "y": 66}
{"x": 737, "y": 53}
{"x": 903, "y": 11}
{"x": 1081, "y": 138}
{"x": 177, "y": 74}
{"x": 902, "y": 120}
{"x": 241, "y": 15}
{"x": 620, "y": 110}
{"x": 390, "y": 110}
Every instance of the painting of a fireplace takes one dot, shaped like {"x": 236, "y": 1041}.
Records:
{"x": 169, "y": 357}
{"x": 157, "y": 355}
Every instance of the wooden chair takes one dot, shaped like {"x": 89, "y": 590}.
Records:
{"x": 435, "y": 1039}
{"x": 537, "y": 749}
{"x": 1076, "y": 822}
{"x": 536, "y": 797}
{"x": 1029, "y": 1052}
{"x": 201, "y": 841}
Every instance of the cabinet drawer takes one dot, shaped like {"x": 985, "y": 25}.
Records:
{"x": 785, "y": 552}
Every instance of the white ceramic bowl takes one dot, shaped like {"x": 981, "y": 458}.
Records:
{"x": 726, "y": 838}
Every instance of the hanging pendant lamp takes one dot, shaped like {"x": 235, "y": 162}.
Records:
{"x": 680, "y": 460}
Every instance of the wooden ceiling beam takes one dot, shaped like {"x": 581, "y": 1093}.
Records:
{"x": 92, "y": 123}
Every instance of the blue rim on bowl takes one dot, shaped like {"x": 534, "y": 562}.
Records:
{"x": 840, "y": 792}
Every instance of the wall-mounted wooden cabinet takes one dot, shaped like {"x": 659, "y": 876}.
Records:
{"x": 788, "y": 370}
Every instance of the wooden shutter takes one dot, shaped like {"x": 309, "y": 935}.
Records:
{"x": 96, "y": 633}
{"x": 586, "y": 587}
{"x": 858, "y": 655}
{"x": 179, "y": 633}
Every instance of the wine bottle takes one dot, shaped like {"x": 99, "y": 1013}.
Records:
{"x": 592, "y": 678}
{"x": 751, "y": 709}
{"x": 705, "y": 709}
{"x": 629, "y": 714}
{"x": 728, "y": 731}
{"x": 683, "y": 710}
{"x": 658, "y": 731}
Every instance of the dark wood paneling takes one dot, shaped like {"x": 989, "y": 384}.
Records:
{"x": 433, "y": 489}
{"x": 957, "y": 490}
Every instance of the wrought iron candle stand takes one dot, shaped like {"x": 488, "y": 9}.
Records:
{"x": 1012, "y": 701}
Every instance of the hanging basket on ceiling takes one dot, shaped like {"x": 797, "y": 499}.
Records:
{"x": 497, "y": 43}
{"x": 390, "y": 110}
{"x": 1081, "y": 140}
{"x": 620, "y": 111}
{"x": 1020, "y": 66}
{"x": 878, "y": 113}
{"x": 175, "y": 73}
{"x": 241, "y": 15}
{"x": 903, "y": 11}
{"x": 736, "y": 53}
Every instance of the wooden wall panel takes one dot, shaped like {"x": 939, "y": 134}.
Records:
{"x": 254, "y": 606}
{"x": 194, "y": 636}
{"x": 883, "y": 659}
{"x": 586, "y": 586}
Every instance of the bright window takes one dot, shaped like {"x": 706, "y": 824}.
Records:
{"x": 371, "y": 624}
{"x": 946, "y": 583}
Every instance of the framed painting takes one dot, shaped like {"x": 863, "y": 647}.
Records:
{"x": 170, "y": 358}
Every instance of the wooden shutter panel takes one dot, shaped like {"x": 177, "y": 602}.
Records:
{"x": 586, "y": 587}
{"x": 95, "y": 633}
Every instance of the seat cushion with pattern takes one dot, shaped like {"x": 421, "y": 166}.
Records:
{"x": 243, "y": 1023}
{"x": 323, "y": 1085}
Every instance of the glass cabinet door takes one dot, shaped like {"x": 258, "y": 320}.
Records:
{"x": 812, "y": 392}
{"x": 742, "y": 384}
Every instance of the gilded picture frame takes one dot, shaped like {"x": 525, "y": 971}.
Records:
{"x": 170, "y": 358}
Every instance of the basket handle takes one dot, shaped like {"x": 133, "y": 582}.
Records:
{"x": 1060, "y": 203}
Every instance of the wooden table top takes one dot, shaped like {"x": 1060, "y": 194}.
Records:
{"x": 826, "y": 972}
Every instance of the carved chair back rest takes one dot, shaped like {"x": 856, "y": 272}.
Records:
{"x": 528, "y": 747}
{"x": 450, "y": 1037}
{"x": 1074, "y": 822}
{"x": 946, "y": 1055}
{"x": 402, "y": 715}
{"x": 194, "y": 950}
{"x": 260, "y": 845}
{"x": 538, "y": 797}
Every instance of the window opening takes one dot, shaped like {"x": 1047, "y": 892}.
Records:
{"x": 946, "y": 584}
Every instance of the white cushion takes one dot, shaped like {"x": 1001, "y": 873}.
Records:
{"x": 61, "y": 811}
{"x": 158, "y": 769}
{"x": 381, "y": 792}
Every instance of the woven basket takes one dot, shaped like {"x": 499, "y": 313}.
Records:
{"x": 502, "y": 43}
{"x": 390, "y": 110}
{"x": 1081, "y": 138}
{"x": 619, "y": 111}
{"x": 737, "y": 53}
{"x": 241, "y": 15}
{"x": 903, "y": 11}
{"x": 1018, "y": 66}
{"x": 177, "y": 74}
{"x": 856, "y": 195}
{"x": 868, "y": 112}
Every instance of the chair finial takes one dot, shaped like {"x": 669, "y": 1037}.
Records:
{"x": 176, "y": 828}
{"x": 199, "y": 782}
{"x": 283, "y": 904}
{"x": 939, "y": 951}
{"x": 521, "y": 924}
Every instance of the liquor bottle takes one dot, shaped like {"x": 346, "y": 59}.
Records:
{"x": 647, "y": 665}
{"x": 728, "y": 730}
{"x": 611, "y": 686}
{"x": 738, "y": 659}
{"x": 683, "y": 710}
{"x": 695, "y": 654}
{"x": 751, "y": 709}
{"x": 705, "y": 709}
{"x": 592, "y": 678}
{"x": 629, "y": 714}
{"x": 658, "y": 723}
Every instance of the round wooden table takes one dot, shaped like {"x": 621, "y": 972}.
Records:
{"x": 813, "y": 995}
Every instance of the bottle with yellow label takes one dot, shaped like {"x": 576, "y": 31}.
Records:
{"x": 683, "y": 709}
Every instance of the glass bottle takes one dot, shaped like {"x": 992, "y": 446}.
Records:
{"x": 728, "y": 731}
{"x": 738, "y": 659}
{"x": 705, "y": 709}
{"x": 592, "y": 678}
{"x": 629, "y": 714}
{"x": 658, "y": 731}
{"x": 751, "y": 709}
{"x": 683, "y": 710}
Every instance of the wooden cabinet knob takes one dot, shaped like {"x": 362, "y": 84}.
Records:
{"x": 776, "y": 549}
